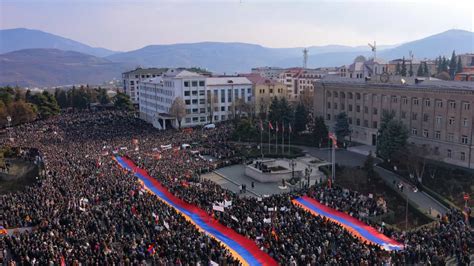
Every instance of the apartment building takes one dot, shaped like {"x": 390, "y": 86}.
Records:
{"x": 272, "y": 73}
{"x": 264, "y": 90}
{"x": 132, "y": 79}
{"x": 206, "y": 99}
{"x": 299, "y": 82}
{"x": 437, "y": 113}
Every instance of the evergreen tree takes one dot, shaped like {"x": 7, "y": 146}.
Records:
{"x": 342, "y": 128}
{"x": 452, "y": 65}
{"x": 426, "y": 71}
{"x": 393, "y": 136}
{"x": 439, "y": 65}
{"x": 419, "y": 72}
{"x": 301, "y": 118}
{"x": 369, "y": 167}
{"x": 62, "y": 99}
{"x": 320, "y": 131}
{"x": 398, "y": 69}
{"x": 444, "y": 65}
{"x": 46, "y": 104}
{"x": 403, "y": 71}
{"x": 122, "y": 102}
{"x": 410, "y": 70}
{"x": 102, "y": 96}
{"x": 459, "y": 67}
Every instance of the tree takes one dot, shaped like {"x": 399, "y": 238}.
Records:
{"x": 61, "y": 98}
{"x": 393, "y": 136}
{"x": 178, "y": 110}
{"x": 122, "y": 102}
{"x": 415, "y": 158}
{"x": 443, "y": 76}
{"x": 245, "y": 130}
{"x": 102, "y": 96}
{"x": 21, "y": 112}
{"x": 342, "y": 128}
{"x": 280, "y": 110}
{"x": 301, "y": 118}
{"x": 419, "y": 72}
{"x": 452, "y": 65}
{"x": 264, "y": 105}
{"x": 398, "y": 69}
{"x": 46, "y": 104}
{"x": 410, "y": 69}
{"x": 320, "y": 131}
{"x": 369, "y": 166}
{"x": 426, "y": 72}
{"x": 444, "y": 64}
{"x": 79, "y": 98}
{"x": 459, "y": 67}
{"x": 403, "y": 70}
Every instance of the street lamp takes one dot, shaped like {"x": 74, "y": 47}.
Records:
{"x": 9, "y": 120}
{"x": 308, "y": 172}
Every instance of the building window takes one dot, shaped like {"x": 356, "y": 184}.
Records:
{"x": 350, "y": 120}
{"x": 186, "y": 93}
{"x": 465, "y": 122}
{"x": 374, "y": 111}
{"x": 414, "y": 116}
{"x": 449, "y": 153}
{"x": 374, "y": 124}
{"x": 426, "y": 117}
{"x": 335, "y": 105}
{"x": 450, "y": 137}
{"x": 186, "y": 84}
{"x": 451, "y": 121}
{"x": 366, "y": 109}
{"x": 336, "y": 94}
{"x": 437, "y": 135}
{"x": 415, "y": 101}
{"x": 358, "y": 122}
{"x": 201, "y": 83}
{"x": 403, "y": 114}
{"x": 466, "y": 106}
{"x": 194, "y": 83}
{"x": 357, "y": 96}
{"x": 425, "y": 133}
{"x": 202, "y": 93}
{"x": 349, "y": 95}
{"x": 195, "y": 119}
{"x": 366, "y": 123}
{"x": 188, "y": 120}
{"x": 202, "y": 101}
{"x": 328, "y": 116}
{"x": 404, "y": 100}
{"x": 350, "y": 107}
{"x": 438, "y": 119}
{"x": 328, "y": 94}
{"x": 427, "y": 102}
{"x": 394, "y": 99}
{"x": 464, "y": 139}
{"x": 452, "y": 104}
{"x": 439, "y": 103}
{"x": 188, "y": 102}
{"x": 195, "y": 93}
{"x": 463, "y": 156}
{"x": 329, "y": 105}
{"x": 343, "y": 107}
{"x": 414, "y": 131}
{"x": 358, "y": 108}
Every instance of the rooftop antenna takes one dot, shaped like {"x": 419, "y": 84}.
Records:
{"x": 305, "y": 58}
{"x": 411, "y": 55}
{"x": 373, "y": 47}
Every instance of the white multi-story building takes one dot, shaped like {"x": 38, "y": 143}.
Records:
{"x": 133, "y": 78}
{"x": 272, "y": 73}
{"x": 206, "y": 99}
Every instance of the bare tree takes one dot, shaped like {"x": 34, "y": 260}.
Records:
{"x": 178, "y": 110}
{"x": 212, "y": 103}
{"x": 264, "y": 104}
{"x": 415, "y": 158}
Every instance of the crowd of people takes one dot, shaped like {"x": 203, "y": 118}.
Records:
{"x": 85, "y": 209}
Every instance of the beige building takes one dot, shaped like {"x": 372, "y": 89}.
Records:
{"x": 264, "y": 90}
{"x": 299, "y": 82}
{"x": 437, "y": 113}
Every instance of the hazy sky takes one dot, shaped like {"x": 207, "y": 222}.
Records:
{"x": 128, "y": 24}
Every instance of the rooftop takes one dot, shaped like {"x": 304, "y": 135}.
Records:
{"x": 152, "y": 70}
{"x": 213, "y": 81}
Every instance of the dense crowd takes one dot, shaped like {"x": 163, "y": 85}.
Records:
{"x": 85, "y": 209}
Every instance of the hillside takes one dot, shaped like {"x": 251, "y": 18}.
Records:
{"x": 53, "y": 67}
{"x": 19, "y": 39}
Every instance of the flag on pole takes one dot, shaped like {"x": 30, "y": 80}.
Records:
{"x": 276, "y": 126}
{"x": 283, "y": 127}
{"x": 151, "y": 249}
{"x": 270, "y": 125}
{"x": 289, "y": 128}
{"x": 261, "y": 125}
{"x": 333, "y": 138}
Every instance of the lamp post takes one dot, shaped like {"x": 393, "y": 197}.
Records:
{"x": 308, "y": 172}
{"x": 9, "y": 120}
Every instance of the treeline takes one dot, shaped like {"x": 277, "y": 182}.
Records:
{"x": 446, "y": 68}
{"x": 25, "y": 106}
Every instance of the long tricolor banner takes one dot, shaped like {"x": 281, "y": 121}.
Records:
{"x": 242, "y": 248}
{"x": 351, "y": 224}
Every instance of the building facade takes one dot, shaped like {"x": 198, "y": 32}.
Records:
{"x": 272, "y": 73}
{"x": 133, "y": 78}
{"x": 264, "y": 90}
{"x": 299, "y": 82}
{"x": 205, "y": 99}
{"x": 436, "y": 113}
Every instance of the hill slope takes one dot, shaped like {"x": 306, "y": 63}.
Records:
{"x": 19, "y": 39}
{"x": 53, "y": 67}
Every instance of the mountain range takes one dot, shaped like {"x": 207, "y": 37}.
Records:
{"x": 36, "y": 58}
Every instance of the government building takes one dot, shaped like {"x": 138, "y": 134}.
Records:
{"x": 436, "y": 113}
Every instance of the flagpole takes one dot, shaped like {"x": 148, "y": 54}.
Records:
{"x": 269, "y": 136}
{"x": 282, "y": 137}
{"x": 289, "y": 139}
{"x": 261, "y": 137}
{"x": 276, "y": 139}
